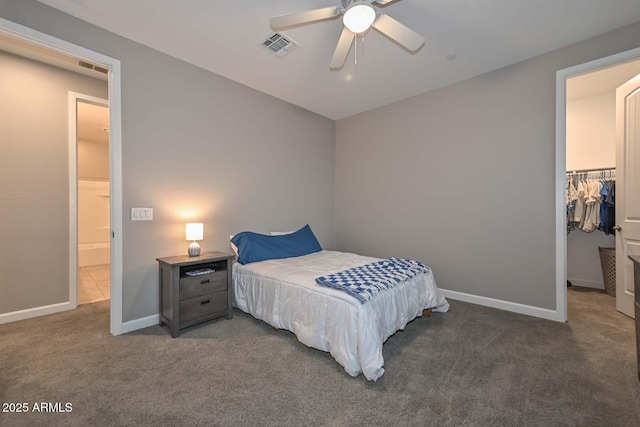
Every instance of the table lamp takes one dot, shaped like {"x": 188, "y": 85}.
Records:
{"x": 195, "y": 231}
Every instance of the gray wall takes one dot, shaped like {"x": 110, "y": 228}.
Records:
{"x": 462, "y": 178}
{"x": 199, "y": 147}
{"x": 34, "y": 180}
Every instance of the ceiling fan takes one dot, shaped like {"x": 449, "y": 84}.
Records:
{"x": 358, "y": 16}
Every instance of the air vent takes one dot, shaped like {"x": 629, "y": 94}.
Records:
{"x": 85, "y": 65}
{"x": 279, "y": 44}
{"x": 93, "y": 67}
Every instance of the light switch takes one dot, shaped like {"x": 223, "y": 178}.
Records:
{"x": 141, "y": 214}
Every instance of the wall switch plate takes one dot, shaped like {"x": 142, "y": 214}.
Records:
{"x": 141, "y": 214}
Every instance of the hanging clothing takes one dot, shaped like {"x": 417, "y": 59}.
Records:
{"x": 603, "y": 206}
{"x": 610, "y": 206}
{"x": 580, "y": 205}
{"x": 590, "y": 201}
{"x": 571, "y": 197}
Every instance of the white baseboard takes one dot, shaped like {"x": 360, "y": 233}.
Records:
{"x": 144, "y": 322}
{"x": 29, "y": 313}
{"x": 529, "y": 310}
{"x": 586, "y": 283}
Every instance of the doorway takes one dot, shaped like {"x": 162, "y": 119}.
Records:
{"x": 35, "y": 41}
{"x": 588, "y": 73}
{"x": 93, "y": 222}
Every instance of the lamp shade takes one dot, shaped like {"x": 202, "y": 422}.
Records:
{"x": 195, "y": 231}
{"x": 359, "y": 17}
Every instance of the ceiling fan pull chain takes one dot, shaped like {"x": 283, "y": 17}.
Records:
{"x": 355, "y": 52}
{"x": 355, "y": 49}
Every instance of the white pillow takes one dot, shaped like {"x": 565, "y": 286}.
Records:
{"x": 280, "y": 233}
{"x": 234, "y": 248}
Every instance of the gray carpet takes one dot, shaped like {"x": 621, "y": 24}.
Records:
{"x": 473, "y": 366}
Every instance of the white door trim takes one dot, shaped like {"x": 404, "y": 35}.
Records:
{"x": 11, "y": 29}
{"x": 561, "y": 165}
{"x": 74, "y": 97}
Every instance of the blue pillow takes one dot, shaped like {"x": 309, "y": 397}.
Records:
{"x": 254, "y": 247}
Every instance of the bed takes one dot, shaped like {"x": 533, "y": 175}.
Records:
{"x": 283, "y": 292}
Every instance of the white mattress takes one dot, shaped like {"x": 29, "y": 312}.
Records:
{"x": 284, "y": 294}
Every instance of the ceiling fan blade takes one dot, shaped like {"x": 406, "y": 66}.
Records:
{"x": 342, "y": 49}
{"x": 398, "y": 32}
{"x": 382, "y": 2}
{"x": 307, "y": 17}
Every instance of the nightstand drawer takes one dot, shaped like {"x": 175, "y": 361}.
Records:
{"x": 201, "y": 306}
{"x": 191, "y": 287}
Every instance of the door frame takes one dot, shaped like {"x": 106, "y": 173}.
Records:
{"x": 74, "y": 98}
{"x": 561, "y": 165}
{"x": 37, "y": 38}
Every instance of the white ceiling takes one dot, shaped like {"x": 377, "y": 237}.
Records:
{"x": 224, "y": 37}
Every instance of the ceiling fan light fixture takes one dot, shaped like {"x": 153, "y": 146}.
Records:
{"x": 359, "y": 17}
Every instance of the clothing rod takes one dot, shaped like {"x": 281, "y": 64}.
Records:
{"x": 592, "y": 170}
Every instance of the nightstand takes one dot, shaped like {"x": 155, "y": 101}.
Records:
{"x": 195, "y": 289}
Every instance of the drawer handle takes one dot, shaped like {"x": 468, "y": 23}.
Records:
{"x": 203, "y": 281}
{"x": 205, "y": 302}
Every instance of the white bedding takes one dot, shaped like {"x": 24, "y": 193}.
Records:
{"x": 284, "y": 294}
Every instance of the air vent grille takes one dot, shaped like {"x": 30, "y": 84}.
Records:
{"x": 279, "y": 44}
{"x": 85, "y": 65}
{"x": 93, "y": 67}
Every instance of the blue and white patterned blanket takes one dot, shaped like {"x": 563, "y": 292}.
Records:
{"x": 367, "y": 281}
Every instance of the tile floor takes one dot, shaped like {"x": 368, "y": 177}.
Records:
{"x": 94, "y": 282}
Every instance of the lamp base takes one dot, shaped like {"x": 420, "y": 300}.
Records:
{"x": 194, "y": 249}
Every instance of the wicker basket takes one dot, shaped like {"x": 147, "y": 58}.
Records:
{"x": 608, "y": 264}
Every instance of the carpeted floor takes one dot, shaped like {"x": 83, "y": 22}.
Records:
{"x": 473, "y": 366}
